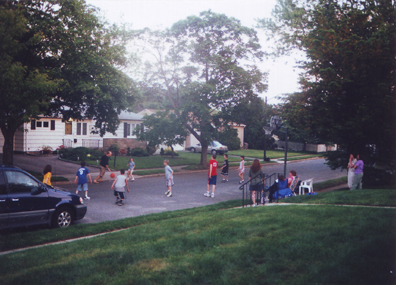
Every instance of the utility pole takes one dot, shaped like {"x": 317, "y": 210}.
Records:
{"x": 265, "y": 123}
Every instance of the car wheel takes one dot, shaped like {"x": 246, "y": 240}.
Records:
{"x": 214, "y": 151}
{"x": 192, "y": 150}
{"x": 62, "y": 218}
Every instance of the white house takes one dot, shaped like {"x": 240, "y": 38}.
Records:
{"x": 47, "y": 131}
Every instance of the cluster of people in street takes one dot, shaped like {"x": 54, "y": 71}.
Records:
{"x": 257, "y": 185}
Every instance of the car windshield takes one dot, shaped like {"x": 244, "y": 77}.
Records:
{"x": 216, "y": 143}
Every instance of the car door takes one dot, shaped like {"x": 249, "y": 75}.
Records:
{"x": 25, "y": 207}
{"x": 3, "y": 202}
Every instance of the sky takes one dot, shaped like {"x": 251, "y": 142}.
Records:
{"x": 161, "y": 14}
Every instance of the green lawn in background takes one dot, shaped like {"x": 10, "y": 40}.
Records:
{"x": 291, "y": 244}
{"x": 270, "y": 153}
{"x": 193, "y": 159}
{"x": 157, "y": 161}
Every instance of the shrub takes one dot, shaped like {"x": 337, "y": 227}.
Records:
{"x": 123, "y": 151}
{"x": 374, "y": 178}
{"x": 114, "y": 148}
{"x": 151, "y": 149}
{"x": 46, "y": 149}
{"x": 168, "y": 151}
{"x": 229, "y": 137}
{"x": 82, "y": 153}
{"x": 139, "y": 151}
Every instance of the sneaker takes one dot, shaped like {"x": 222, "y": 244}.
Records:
{"x": 167, "y": 192}
{"x": 120, "y": 203}
{"x": 169, "y": 195}
{"x": 87, "y": 198}
{"x": 133, "y": 179}
{"x": 212, "y": 195}
{"x": 207, "y": 194}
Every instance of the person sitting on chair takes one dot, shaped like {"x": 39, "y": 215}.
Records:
{"x": 293, "y": 181}
{"x": 279, "y": 185}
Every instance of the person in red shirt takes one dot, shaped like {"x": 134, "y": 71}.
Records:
{"x": 212, "y": 176}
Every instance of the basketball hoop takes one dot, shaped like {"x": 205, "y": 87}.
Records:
{"x": 267, "y": 130}
{"x": 275, "y": 123}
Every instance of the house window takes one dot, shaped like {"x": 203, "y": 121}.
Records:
{"x": 52, "y": 125}
{"x": 45, "y": 124}
{"x": 127, "y": 130}
{"x": 81, "y": 129}
{"x": 39, "y": 124}
{"x": 68, "y": 128}
{"x": 33, "y": 124}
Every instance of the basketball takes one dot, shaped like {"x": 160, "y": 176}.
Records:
{"x": 112, "y": 175}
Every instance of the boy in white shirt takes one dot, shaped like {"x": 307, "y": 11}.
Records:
{"x": 119, "y": 187}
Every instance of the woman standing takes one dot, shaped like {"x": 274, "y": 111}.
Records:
{"x": 351, "y": 170}
{"x": 357, "y": 179}
{"x": 256, "y": 180}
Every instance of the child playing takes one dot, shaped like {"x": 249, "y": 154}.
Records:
{"x": 131, "y": 167}
{"x": 47, "y": 174}
{"x": 119, "y": 187}
{"x": 241, "y": 169}
{"x": 212, "y": 176}
{"x": 81, "y": 178}
{"x": 169, "y": 178}
{"x": 224, "y": 168}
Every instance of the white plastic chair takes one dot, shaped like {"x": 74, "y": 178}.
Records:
{"x": 306, "y": 184}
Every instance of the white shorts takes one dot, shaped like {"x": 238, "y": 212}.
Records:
{"x": 169, "y": 182}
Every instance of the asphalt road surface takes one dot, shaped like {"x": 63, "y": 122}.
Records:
{"x": 148, "y": 193}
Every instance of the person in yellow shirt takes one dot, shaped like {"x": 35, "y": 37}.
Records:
{"x": 47, "y": 174}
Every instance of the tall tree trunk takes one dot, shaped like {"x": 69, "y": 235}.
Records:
{"x": 204, "y": 156}
{"x": 8, "y": 148}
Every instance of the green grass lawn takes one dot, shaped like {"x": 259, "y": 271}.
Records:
{"x": 271, "y": 153}
{"x": 157, "y": 161}
{"x": 218, "y": 244}
{"x": 193, "y": 159}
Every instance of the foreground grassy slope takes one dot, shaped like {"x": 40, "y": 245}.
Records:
{"x": 289, "y": 244}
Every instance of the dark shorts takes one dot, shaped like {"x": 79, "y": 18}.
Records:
{"x": 119, "y": 194}
{"x": 225, "y": 173}
{"x": 212, "y": 180}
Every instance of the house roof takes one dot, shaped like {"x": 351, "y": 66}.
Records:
{"x": 124, "y": 115}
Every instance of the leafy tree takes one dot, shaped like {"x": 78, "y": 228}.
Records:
{"x": 206, "y": 64}
{"x": 255, "y": 115}
{"x": 162, "y": 128}
{"x": 348, "y": 91}
{"x": 58, "y": 59}
{"x": 229, "y": 137}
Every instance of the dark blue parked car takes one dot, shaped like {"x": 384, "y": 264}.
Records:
{"x": 25, "y": 201}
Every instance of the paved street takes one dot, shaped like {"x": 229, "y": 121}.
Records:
{"x": 147, "y": 193}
